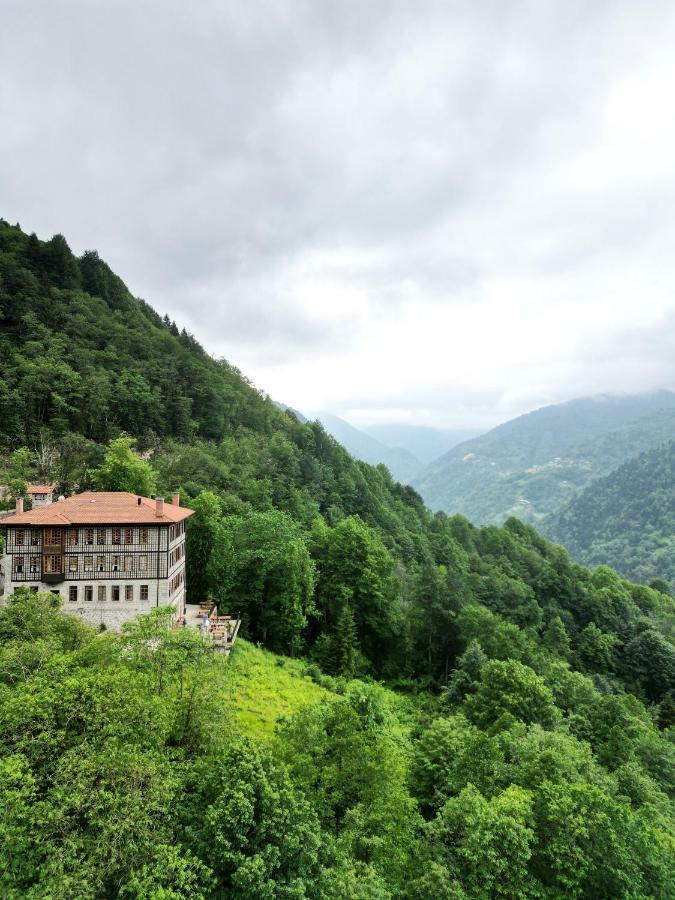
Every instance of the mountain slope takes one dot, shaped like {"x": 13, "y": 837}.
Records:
{"x": 626, "y": 520}
{"x": 402, "y": 464}
{"x": 533, "y": 465}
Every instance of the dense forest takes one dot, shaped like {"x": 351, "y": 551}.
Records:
{"x": 480, "y": 716}
{"x": 536, "y": 464}
{"x": 626, "y": 519}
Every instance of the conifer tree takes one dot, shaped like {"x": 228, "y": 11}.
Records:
{"x": 345, "y": 643}
{"x": 556, "y": 638}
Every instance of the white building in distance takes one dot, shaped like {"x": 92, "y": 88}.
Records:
{"x": 109, "y": 556}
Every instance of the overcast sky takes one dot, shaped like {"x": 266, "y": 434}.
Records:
{"x": 438, "y": 213}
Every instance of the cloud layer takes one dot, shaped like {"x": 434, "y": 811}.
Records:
{"x": 441, "y": 213}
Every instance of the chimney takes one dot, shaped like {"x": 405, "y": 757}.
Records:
{"x": 159, "y": 507}
{"x": 19, "y": 505}
{"x": 175, "y": 499}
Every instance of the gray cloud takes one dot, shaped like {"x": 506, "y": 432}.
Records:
{"x": 309, "y": 185}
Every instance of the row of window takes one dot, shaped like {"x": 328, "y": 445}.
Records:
{"x": 102, "y": 592}
{"x": 176, "y": 582}
{"x": 176, "y": 530}
{"x": 86, "y": 536}
{"x": 176, "y": 554}
{"x": 136, "y": 563}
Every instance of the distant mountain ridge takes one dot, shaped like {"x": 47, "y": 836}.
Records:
{"x": 625, "y": 520}
{"x": 535, "y": 464}
{"x": 424, "y": 442}
{"x": 402, "y": 464}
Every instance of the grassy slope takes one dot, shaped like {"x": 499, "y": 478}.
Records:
{"x": 260, "y": 687}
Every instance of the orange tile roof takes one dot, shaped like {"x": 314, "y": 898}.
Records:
{"x": 39, "y": 488}
{"x": 101, "y": 508}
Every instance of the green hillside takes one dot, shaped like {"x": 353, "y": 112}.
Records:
{"x": 434, "y": 709}
{"x": 626, "y": 520}
{"x": 534, "y": 465}
{"x": 143, "y": 765}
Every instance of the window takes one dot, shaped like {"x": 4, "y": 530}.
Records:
{"x": 18, "y": 565}
{"x": 115, "y": 592}
{"x": 100, "y": 535}
{"x": 128, "y": 535}
{"x": 117, "y": 536}
{"x": 115, "y": 563}
{"x": 100, "y": 563}
{"x": 19, "y": 537}
{"x": 52, "y": 564}
{"x": 128, "y": 563}
{"x": 35, "y": 537}
{"x": 144, "y": 592}
{"x": 35, "y": 563}
{"x": 53, "y": 537}
{"x": 101, "y": 593}
{"x": 72, "y": 537}
{"x": 88, "y": 593}
{"x": 143, "y": 536}
{"x": 88, "y": 563}
{"x": 72, "y": 593}
{"x": 143, "y": 563}
{"x": 72, "y": 564}
{"x": 89, "y": 536}
{"x": 129, "y": 592}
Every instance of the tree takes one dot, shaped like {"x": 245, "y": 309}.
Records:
{"x": 511, "y": 690}
{"x": 597, "y": 649}
{"x": 487, "y": 844}
{"x": 124, "y": 470}
{"x": 263, "y": 568}
{"x": 556, "y": 638}
{"x": 650, "y": 659}
{"x": 344, "y": 648}
{"x": 354, "y": 566}
{"x": 60, "y": 263}
{"x": 450, "y": 754}
{"x": 591, "y": 846}
{"x": 658, "y": 584}
{"x": 259, "y": 833}
{"x": 21, "y": 469}
{"x": 202, "y": 529}
{"x": 346, "y": 755}
{"x": 464, "y": 679}
{"x": 433, "y": 615}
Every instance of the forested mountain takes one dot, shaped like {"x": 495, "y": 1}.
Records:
{"x": 520, "y": 747}
{"x": 402, "y": 464}
{"x": 534, "y": 465}
{"x": 626, "y": 520}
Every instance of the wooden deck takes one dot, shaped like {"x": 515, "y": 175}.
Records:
{"x": 223, "y": 629}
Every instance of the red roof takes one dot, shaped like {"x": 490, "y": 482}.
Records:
{"x": 101, "y": 508}
{"x": 40, "y": 489}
